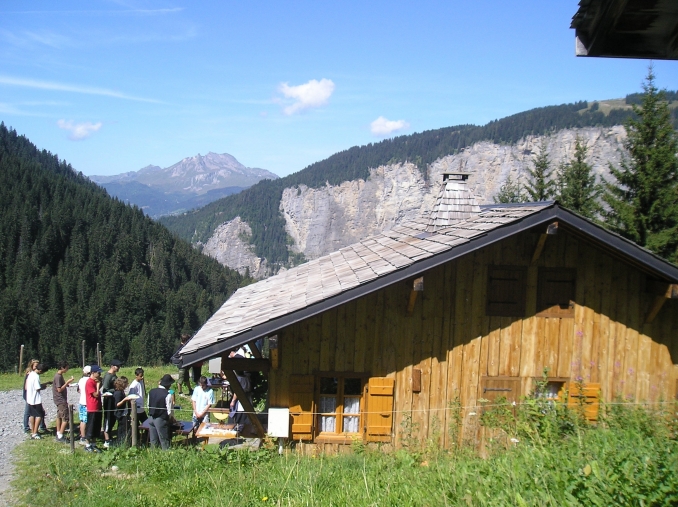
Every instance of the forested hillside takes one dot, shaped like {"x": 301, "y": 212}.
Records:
{"x": 77, "y": 265}
{"x": 259, "y": 205}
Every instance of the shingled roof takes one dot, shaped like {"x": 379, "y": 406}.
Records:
{"x": 401, "y": 253}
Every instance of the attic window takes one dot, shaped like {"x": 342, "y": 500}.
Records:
{"x": 556, "y": 292}
{"x": 506, "y": 291}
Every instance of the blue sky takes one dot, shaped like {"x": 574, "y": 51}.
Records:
{"x": 112, "y": 86}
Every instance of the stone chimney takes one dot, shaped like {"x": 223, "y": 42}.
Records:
{"x": 455, "y": 202}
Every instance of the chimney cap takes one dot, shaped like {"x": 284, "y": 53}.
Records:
{"x": 455, "y": 176}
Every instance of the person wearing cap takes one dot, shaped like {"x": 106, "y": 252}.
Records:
{"x": 82, "y": 404}
{"x": 160, "y": 413}
{"x": 107, "y": 390}
{"x": 93, "y": 402}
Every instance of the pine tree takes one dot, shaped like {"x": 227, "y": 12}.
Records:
{"x": 540, "y": 186}
{"x": 643, "y": 202}
{"x": 509, "y": 192}
{"x": 576, "y": 184}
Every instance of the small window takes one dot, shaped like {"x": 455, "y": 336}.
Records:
{"x": 506, "y": 290}
{"x": 339, "y": 400}
{"x": 556, "y": 292}
{"x": 553, "y": 390}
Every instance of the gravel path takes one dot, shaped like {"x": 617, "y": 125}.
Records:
{"x": 12, "y": 432}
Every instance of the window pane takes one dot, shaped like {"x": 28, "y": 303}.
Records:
{"x": 328, "y": 385}
{"x": 351, "y": 424}
{"x": 328, "y": 404}
{"x": 352, "y": 386}
{"x": 327, "y": 423}
{"x": 351, "y": 405}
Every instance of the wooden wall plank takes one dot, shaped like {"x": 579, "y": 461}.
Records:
{"x": 339, "y": 360}
{"x": 361, "y": 338}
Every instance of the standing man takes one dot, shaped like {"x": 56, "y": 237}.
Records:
{"x": 60, "y": 397}
{"x": 202, "y": 400}
{"x": 160, "y": 413}
{"x": 108, "y": 388}
{"x": 184, "y": 373}
{"x": 34, "y": 399}
{"x": 93, "y": 400}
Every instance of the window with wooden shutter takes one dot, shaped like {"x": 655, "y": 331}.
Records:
{"x": 506, "y": 291}
{"x": 302, "y": 406}
{"x": 379, "y": 409}
{"x": 556, "y": 292}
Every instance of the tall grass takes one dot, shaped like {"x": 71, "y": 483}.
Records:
{"x": 629, "y": 458}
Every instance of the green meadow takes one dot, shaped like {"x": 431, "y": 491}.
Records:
{"x": 629, "y": 458}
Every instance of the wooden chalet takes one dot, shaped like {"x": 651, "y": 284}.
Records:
{"x": 468, "y": 303}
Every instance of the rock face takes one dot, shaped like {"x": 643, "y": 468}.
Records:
{"x": 325, "y": 219}
{"x": 322, "y": 220}
{"x": 230, "y": 246}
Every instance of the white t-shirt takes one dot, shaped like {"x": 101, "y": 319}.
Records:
{"x": 139, "y": 388}
{"x": 202, "y": 399}
{"x": 33, "y": 396}
{"x": 81, "y": 390}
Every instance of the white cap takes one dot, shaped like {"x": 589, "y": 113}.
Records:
{"x": 87, "y": 370}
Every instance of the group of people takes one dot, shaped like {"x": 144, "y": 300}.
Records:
{"x": 109, "y": 401}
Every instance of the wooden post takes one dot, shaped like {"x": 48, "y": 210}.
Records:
{"x": 135, "y": 424}
{"x": 21, "y": 358}
{"x": 83, "y": 353}
{"x": 70, "y": 427}
{"x": 245, "y": 401}
{"x": 99, "y": 356}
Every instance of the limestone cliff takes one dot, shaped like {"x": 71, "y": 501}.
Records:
{"x": 321, "y": 220}
{"x": 325, "y": 219}
{"x": 230, "y": 246}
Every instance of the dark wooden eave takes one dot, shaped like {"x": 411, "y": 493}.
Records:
{"x": 627, "y": 29}
{"x": 611, "y": 243}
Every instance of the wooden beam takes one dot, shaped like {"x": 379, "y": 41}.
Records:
{"x": 654, "y": 309}
{"x": 244, "y": 364}
{"x": 417, "y": 286}
{"x": 663, "y": 289}
{"x": 244, "y": 400}
{"x": 413, "y": 299}
{"x": 255, "y": 350}
{"x": 551, "y": 230}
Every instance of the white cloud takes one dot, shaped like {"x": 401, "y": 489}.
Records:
{"x": 383, "y": 127}
{"x": 50, "y": 85}
{"x": 79, "y": 131}
{"x": 312, "y": 94}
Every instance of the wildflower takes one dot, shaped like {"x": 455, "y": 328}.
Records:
{"x": 515, "y": 440}
{"x": 472, "y": 413}
{"x": 264, "y": 499}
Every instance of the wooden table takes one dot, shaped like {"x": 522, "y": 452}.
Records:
{"x": 214, "y": 433}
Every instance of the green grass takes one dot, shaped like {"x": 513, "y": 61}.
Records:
{"x": 9, "y": 381}
{"x": 631, "y": 458}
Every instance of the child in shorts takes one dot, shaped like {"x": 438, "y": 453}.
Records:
{"x": 82, "y": 403}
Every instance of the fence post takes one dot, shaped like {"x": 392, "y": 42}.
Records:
{"x": 83, "y": 353}
{"x": 135, "y": 423}
{"x": 21, "y": 358}
{"x": 70, "y": 427}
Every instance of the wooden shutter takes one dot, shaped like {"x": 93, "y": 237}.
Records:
{"x": 492, "y": 388}
{"x": 302, "y": 406}
{"x": 506, "y": 291}
{"x": 556, "y": 292}
{"x": 379, "y": 418}
{"x": 589, "y": 398}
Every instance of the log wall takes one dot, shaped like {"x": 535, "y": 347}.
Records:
{"x": 453, "y": 343}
